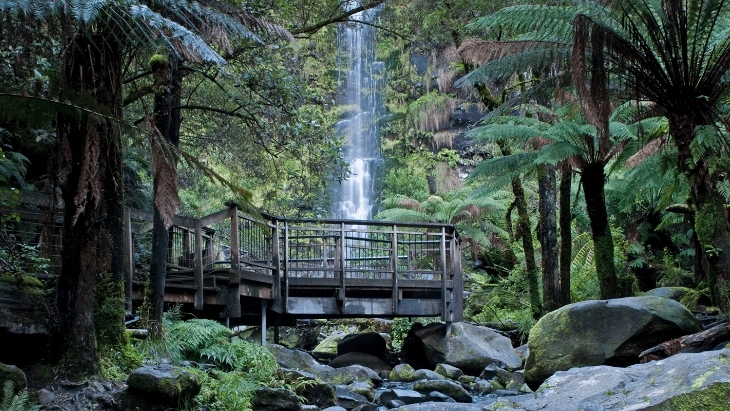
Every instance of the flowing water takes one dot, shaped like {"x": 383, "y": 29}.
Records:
{"x": 361, "y": 85}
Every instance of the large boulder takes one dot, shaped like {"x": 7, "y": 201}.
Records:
{"x": 302, "y": 337}
{"x": 296, "y": 359}
{"x": 164, "y": 382}
{"x": 370, "y": 343}
{"x": 681, "y": 382}
{"x": 468, "y": 347}
{"x": 275, "y": 399}
{"x": 328, "y": 346}
{"x": 610, "y": 332}
{"x": 23, "y": 320}
{"x": 360, "y": 358}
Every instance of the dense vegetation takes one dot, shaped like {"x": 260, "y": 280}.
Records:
{"x": 589, "y": 161}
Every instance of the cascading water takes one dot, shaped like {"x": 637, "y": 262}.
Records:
{"x": 361, "y": 96}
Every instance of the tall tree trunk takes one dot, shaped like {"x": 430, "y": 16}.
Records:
{"x": 533, "y": 277}
{"x": 594, "y": 180}
{"x": 167, "y": 128}
{"x": 91, "y": 179}
{"x": 547, "y": 202}
{"x": 711, "y": 220}
{"x": 566, "y": 235}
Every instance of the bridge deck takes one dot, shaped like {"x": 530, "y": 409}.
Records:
{"x": 235, "y": 263}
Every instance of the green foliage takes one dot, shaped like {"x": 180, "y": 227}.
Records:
{"x": 109, "y": 303}
{"x": 503, "y": 302}
{"x": 402, "y": 325}
{"x": 672, "y": 274}
{"x": 16, "y": 402}
{"x": 116, "y": 362}
{"x": 225, "y": 391}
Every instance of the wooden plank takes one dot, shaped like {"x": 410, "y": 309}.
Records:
{"x": 215, "y": 217}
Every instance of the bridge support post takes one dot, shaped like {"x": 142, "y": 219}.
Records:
{"x": 198, "y": 265}
{"x": 263, "y": 322}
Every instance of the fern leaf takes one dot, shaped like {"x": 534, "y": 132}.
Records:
{"x": 557, "y": 152}
{"x": 508, "y": 166}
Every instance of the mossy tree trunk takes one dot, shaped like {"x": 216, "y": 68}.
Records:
{"x": 548, "y": 232}
{"x": 566, "y": 235}
{"x": 92, "y": 180}
{"x": 523, "y": 218}
{"x": 594, "y": 179}
{"x": 711, "y": 221}
{"x": 167, "y": 128}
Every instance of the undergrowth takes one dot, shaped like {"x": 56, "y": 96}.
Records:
{"x": 230, "y": 369}
{"x": 16, "y": 401}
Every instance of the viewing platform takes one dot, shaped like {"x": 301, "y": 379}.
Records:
{"x": 262, "y": 269}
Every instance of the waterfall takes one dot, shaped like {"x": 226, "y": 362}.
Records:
{"x": 360, "y": 93}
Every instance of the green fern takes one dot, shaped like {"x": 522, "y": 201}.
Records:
{"x": 16, "y": 401}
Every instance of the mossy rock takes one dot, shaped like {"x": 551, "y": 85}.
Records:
{"x": 165, "y": 382}
{"x": 450, "y": 388}
{"x": 402, "y": 373}
{"x": 611, "y": 332}
{"x": 14, "y": 374}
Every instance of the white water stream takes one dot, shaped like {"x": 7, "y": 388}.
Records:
{"x": 360, "y": 92}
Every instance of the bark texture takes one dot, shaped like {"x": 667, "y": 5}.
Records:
{"x": 551, "y": 296}
{"x": 92, "y": 188}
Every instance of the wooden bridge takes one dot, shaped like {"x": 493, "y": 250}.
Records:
{"x": 244, "y": 266}
{"x": 270, "y": 270}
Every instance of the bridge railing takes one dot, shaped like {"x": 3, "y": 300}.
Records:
{"x": 275, "y": 250}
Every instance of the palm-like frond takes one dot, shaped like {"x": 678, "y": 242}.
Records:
{"x": 506, "y": 167}
{"x": 512, "y": 21}
{"x": 403, "y": 214}
{"x": 557, "y": 152}
{"x": 504, "y": 132}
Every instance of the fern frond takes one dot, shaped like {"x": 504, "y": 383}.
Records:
{"x": 509, "y": 65}
{"x": 506, "y": 167}
{"x": 511, "y": 21}
{"x": 503, "y": 132}
{"x": 401, "y": 214}
{"x": 557, "y": 152}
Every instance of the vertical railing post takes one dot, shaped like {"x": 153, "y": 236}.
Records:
{"x": 458, "y": 290}
{"x": 275, "y": 262}
{"x": 394, "y": 268}
{"x": 286, "y": 265}
{"x": 234, "y": 277}
{"x": 444, "y": 296}
{"x": 128, "y": 257}
{"x": 198, "y": 264}
{"x": 343, "y": 253}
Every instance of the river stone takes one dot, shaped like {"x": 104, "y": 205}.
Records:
{"x": 450, "y": 388}
{"x": 610, "y": 332}
{"x": 681, "y": 382}
{"x": 346, "y": 375}
{"x": 424, "y": 374}
{"x": 361, "y": 358}
{"x": 314, "y": 391}
{"x": 445, "y": 406}
{"x": 449, "y": 371}
{"x": 674, "y": 293}
{"x": 402, "y": 373}
{"x": 14, "y": 374}
{"x": 301, "y": 337}
{"x": 371, "y": 343}
{"x": 364, "y": 389}
{"x": 275, "y": 399}
{"x": 164, "y": 382}
{"x": 407, "y": 396}
{"x": 328, "y": 346}
{"x": 348, "y": 399}
{"x": 468, "y": 347}
{"x": 295, "y": 359}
